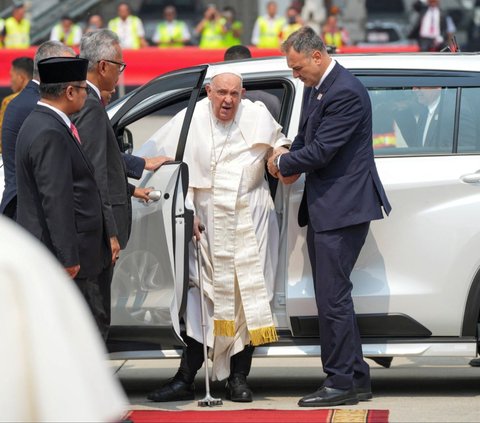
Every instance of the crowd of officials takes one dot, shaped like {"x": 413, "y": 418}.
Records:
{"x": 220, "y": 28}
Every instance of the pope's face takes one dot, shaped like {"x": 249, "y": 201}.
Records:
{"x": 225, "y": 94}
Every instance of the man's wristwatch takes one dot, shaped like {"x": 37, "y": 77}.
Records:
{"x": 276, "y": 161}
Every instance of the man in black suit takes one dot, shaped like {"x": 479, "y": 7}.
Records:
{"x": 102, "y": 50}
{"x": 343, "y": 193}
{"x": 18, "y": 109}
{"x": 58, "y": 198}
{"x": 433, "y": 28}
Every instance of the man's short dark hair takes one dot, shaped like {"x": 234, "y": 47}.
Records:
{"x": 237, "y": 52}
{"x": 23, "y": 64}
{"x": 305, "y": 41}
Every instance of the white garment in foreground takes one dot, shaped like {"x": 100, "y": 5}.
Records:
{"x": 240, "y": 244}
{"x": 53, "y": 359}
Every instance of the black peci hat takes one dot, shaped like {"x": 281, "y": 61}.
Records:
{"x": 56, "y": 70}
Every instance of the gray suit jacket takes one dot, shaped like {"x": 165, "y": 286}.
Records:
{"x": 100, "y": 145}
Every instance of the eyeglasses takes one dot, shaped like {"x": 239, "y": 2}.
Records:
{"x": 86, "y": 87}
{"x": 121, "y": 64}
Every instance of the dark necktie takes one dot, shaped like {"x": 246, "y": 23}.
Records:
{"x": 74, "y": 130}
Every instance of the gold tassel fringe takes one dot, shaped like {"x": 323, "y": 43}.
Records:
{"x": 224, "y": 327}
{"x": 263, "y": 335}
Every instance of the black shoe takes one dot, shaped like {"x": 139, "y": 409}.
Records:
{"x": 364, "y": 394}
{"x": 237, "y": 389}
{"x": 327, "y": 397}
{"x": 173, "y": 390}
{"x": 475, "y": 362}
{"x": 382, "y": 361}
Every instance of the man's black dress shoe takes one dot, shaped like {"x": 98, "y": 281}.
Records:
{"x": 475, "y": 362}
{"x": 173, "y": 390}
{"x": 237, "y": 389}
{"x": 327, "y": 397}
{"x": 364, "y": 394}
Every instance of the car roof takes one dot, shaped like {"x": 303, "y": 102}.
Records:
{"x": 394, "y": 61}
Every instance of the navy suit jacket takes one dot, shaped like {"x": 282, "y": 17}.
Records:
{"x": 58, "y": 198}
{"x": 334, "y": 148}
{"x": 15, "y": 114}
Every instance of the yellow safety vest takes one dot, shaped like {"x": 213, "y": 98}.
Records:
{"x": 69, "y": 41}
{"x": 270, "y": 33}
{"x": 333, "y": 39}
{"x": 176, "y": 36}
{"x": 290, "y": 29}
{"x": 229, "y": 39}
{"x": 114, "y": 25}
{"x": 384, "y": 140}
{"x": 2, "y": 25}
{"x": 17, "y": 33}
{"x": 212, "y": 35}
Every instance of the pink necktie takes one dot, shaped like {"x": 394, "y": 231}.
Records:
{"x": 74, "y": 130}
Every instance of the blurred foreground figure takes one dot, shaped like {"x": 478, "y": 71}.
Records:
{"x": 53, "y": 358}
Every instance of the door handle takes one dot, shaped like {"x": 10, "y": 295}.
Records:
{"x": 471, "y": 178}
{"x": 155, "y": 195}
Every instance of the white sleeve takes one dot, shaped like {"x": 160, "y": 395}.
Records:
{"x": 255, "y": 33}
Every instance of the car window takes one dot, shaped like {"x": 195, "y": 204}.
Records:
{"x": 413, "y": 120}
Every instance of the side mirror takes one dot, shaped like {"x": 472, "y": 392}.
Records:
{"x": 127, "y": 141}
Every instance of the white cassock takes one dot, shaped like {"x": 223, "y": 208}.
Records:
{"x": 53, "y": 359}
{"x": 229, "y": 193}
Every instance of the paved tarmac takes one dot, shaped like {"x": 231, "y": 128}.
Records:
{"x": 413, "y": 389}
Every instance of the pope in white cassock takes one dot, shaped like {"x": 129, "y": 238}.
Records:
{"x": 229, "y": 140}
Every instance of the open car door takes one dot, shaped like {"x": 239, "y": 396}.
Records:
{"x": 151, "y": 276}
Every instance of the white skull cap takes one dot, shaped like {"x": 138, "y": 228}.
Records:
{"x": 225, "y": 69}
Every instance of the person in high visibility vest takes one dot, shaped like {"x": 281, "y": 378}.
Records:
{"x": 333, "y": 35}
{"x": 67, "y": 32}
{"x": 294, "y": 23}
{"x": 171, "y": 32}
{"x": 16, "y": 32}
{"x": 267, "y": 31}
{"x": 211, "y": 29}
{"x": 128, "y": 27}
{"x": 2, "y": 25}
{"x": 233, "y": 28}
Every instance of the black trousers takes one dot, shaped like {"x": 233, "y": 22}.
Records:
{"x": 192, "y": 360}
{"x": 96, "y": 291}
{"x": 333, "y": 255}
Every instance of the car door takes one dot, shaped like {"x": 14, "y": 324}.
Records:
{"x": 151, "y": 275}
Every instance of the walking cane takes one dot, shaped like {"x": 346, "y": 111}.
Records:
{"x": 208, "y": 401}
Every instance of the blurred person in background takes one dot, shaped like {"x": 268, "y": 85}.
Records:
{"x": 128, "y": 27}
{"x": 16, "y": 31}
{"x": 473, "y": 33}
{"x": 171, "y": 32}
{"x": 67, "y": 32}
{"x": 294, "y": 22}
{"x": 233, "y": 28}
{"x": 15, "y": 114}
{"x": 21, "y": 72}
{"x": 267, "y": 31}
{"x": 333, "y": 34}
{"x": 55, "y": 367}
{"x": 211, "y": 28}
{"x": 94, "y": 22}
{"x": 433, "y": 28}
{"x": 2, "y": 25}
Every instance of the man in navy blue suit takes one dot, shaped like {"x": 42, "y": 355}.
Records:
{"x": 15, "y": 114}
{"x": 343, "y": 193}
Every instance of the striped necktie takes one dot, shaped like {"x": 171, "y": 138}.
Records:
{"x": 74, "y": 130}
